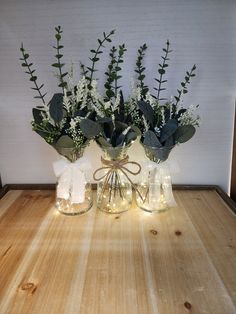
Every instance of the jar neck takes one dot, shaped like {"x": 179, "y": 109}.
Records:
{"x": 157, "y": 154}
{"x": 72, "y": 154}
{"x": 114, "y": 153}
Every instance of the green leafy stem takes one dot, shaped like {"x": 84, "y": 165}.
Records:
{"x": 59, "y": 65}
{"x": 112, "y": 73}
{"x": 120, "y": 60}
{"x": 95, "y": 58}
{"x": 109, "y": 73}
{"x": 83, "y": 69}
{"x": 162, "y": 71}
{"x": 31, "y": 73}
{"x": 140, "y": 69}
{"x": 184, "y": 84}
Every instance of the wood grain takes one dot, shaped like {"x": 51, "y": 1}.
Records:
{"x": 181, "y": 261}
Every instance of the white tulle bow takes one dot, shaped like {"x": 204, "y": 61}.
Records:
{"x": 71, "y": 178}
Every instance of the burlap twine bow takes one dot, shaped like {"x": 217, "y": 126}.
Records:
{"x": 112, "y": 166}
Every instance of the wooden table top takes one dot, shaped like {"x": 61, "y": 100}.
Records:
{"x": 180, "y": 261}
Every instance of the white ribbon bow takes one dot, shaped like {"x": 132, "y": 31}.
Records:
{"x": 71, "y": 178}
{"x": 160, "y": 186}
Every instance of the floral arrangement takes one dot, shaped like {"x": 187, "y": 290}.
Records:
{"x": 58, "y": 122}
{"x": 162, "y": 124}
{"x": 80, "y": 113}
{"x": 113, "y": 125}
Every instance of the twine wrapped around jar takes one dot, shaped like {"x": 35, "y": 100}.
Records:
{"x": 114, "y": 185}
{"x": 112, "y": 166}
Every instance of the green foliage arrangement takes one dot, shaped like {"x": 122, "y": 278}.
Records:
{"x": 58, "y": 121}
{"x": 113, "y": 125}
{"x": 162, "y": 124}
{"x": 80, "y": 113}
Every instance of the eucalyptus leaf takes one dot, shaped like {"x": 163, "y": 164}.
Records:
{"x": 147, "y": 111}
{"x": 180, "y": 112}
{"x": 33, "y": 78}
{"x": 120, "y": 126}
{"x": 42, "y": 134}
{"x": 62, "y": 84}
{"x": 65, "y": 141}
{"x": 108, "y": 128}
{"x": 90, "y": 128}
{"x": 157, "y": 155}
{"x": 104, "y": 119}
{"x": 161, "y": 71}
{"x": 168, "y": 129}
{"x": 170, "y": 141}
{"x": 136, "y": 130}
{"x": 150, "y": 139}
{"x": 184, "y": 133}
{"x": 37, "y": 115}
{"x": 114, "y": 138}
{"x": 120, "y": 140}
{"x": 103, "y": 142}
{"x": 56, "y": 107}
{"x": 130, "y": 136}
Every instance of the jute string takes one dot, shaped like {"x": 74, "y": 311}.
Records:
{"x": 112, "y": 166}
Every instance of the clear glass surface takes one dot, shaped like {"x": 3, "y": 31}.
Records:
{"x": 155, "y": 186}
{"x": 114, "y": 191}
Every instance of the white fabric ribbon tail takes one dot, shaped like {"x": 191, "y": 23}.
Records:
{"x": 160, "y": 185}
{"x": 71, "y": 179}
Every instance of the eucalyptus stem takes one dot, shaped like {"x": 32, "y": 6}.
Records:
{"x": 33, "y": 78}
{"x": 120, "y": 187}
{"x": 115, "y": 184}
{"x": 95, "y": 58}
{"x": 162, "y": 71}
{"x": 83, "y": 69}
{"x": 121, "y": 52}
{"x": 184, "y": 83}
{"x": 140, "y": 70}
{"x": 58, "y": 56}
{"x": 111, "y": 185}
{"x": 110, "y": 74}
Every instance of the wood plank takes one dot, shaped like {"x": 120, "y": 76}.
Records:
{"x": 43, "y": 280}
{"x": 115, "y": 275}
{"x": 216, "y": 226}
{"x": 183, "y": 274}
{"x": 18, "y": 225}
{"x": 7, "y": 200}
{"x": 176, "y": 262}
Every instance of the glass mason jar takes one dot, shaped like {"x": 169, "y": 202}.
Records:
{"x": 114, "y": 189}
{"x": 155, "y": 189}
{"x": 73, "y": 192}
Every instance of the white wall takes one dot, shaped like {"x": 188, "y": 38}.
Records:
{"x": 201, "y": 32}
